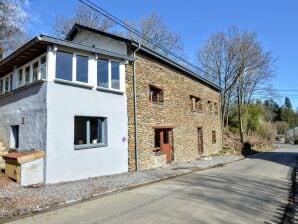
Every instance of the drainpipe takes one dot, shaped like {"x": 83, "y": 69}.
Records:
{"x": 135, "y": 107}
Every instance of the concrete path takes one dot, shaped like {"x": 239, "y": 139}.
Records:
{"x": 253, "y": 190}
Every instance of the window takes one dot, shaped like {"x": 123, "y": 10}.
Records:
{"x": 27, "y": 75}
{"x": 213, "y": 137}
{"x": 157, "y": 138}
{"x": 216, "y": 108}
{"x": 35, "y": 72}
{"x": 64, "y": 65}
{"x": 90, "y": 132}
{"x": 1, "y": 86}
{"x": 43, "y": 67}
{"x": 6, "y": 84}
{"x": 155, "y": 94}
{"x": 210, "y": 106}
{"x": 10, "y": 82}
{"x": 82, "y": 69}
{"x": 103, "y": 73}
{"x": 196, "y": 104}
{"x": 115, "y": 75}
{"x": 20, "y": 77}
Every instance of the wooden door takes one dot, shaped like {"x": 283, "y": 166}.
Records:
{"x": 165, "y": 143}
{"x": 200, "y": 141}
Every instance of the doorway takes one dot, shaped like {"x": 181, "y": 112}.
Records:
{"x": 14, "y": 137}
{"x": 200, "y": 141}
{"x": 164, "y": 141}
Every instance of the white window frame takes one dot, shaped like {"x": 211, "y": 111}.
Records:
{"x": 121, "y": 64}
{"x": 74, "y": 69}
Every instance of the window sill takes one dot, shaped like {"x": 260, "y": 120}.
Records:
{"x": 89, "y": 146}
{"x": 72, "y": 83}
{"x": 109, "y": 90}
{"x": 157, "y": 103}
{"x": 197, "y": 111}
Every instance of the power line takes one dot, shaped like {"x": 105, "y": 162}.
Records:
{"x": 118, "y": 21}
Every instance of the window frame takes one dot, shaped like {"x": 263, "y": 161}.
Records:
{"x": 110, "y": 86}
{"x": 159, "y": 97}
{"x": 74, "y": 67}
{"x": 88, "y": 138}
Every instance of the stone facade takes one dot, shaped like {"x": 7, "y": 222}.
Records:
{"x": 175, "y": 111}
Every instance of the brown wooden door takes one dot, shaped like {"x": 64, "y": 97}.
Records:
{"x": 165, "y": 143}
{"x": 200, "y": 141}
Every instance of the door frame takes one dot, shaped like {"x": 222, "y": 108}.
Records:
{"x": 163, "y": 130}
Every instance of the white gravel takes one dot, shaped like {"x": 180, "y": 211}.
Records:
{"x": 16, "y": 200}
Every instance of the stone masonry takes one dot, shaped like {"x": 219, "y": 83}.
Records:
{"x": 174, "y": 111}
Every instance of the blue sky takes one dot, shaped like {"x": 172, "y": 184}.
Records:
{"x": 274, "y": 21}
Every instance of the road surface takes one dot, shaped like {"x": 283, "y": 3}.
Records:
{"x": 253, "y": 190}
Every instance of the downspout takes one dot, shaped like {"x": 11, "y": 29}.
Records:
{"x": 135, "y": 108}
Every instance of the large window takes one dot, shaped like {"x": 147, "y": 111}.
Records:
{"x": 7, "y": 84}
{"x": 64, "y": 65}
{"x": 103, "y": 73}
{"x": 90, "y": 132}
{"x": 115, "y": 75}
{"x": 82, "y": 69}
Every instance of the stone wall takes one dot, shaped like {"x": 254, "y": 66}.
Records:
{"x": 174, "y": 111}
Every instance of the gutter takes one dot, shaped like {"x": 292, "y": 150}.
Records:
{"x": 135, "y": 107}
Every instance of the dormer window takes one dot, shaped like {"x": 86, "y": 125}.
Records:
{"x": 155, "y": 94}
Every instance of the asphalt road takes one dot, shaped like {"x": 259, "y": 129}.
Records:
{"x": 253, "y": 190}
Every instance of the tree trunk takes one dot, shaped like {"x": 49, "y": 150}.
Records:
{"x": 239, "y": 102}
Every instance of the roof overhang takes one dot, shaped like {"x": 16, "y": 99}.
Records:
{"x": 38, "y": 45}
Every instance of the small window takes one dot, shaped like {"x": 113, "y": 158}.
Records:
{"x": 213, "y": 137}
{"x": 115, "y": 75}
{"x": 10, "y": 82}
{"x": 103, "y": 73}
{"x": 82, "y": 69}
{"x": 90, "y": 132}
{"x": 27, "y": 75}
{"x": 155, "y": 94}
{"x": 1, "y": 86}
{"x": 20, "y": 77}
{"x": 196, "y": 104}
{"x": 6, "y": 84}
{"x": 210, "y": 106}
{"x": 43, "y": 67}
{"x": 35, "y": 72}
{"x": 216, "y": 108}
{"x": 64, "y": 65}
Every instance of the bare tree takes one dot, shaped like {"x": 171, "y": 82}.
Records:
{"x": 12, "y": 23}
{"x": 83, "y": 15}
{"x": 154, "y": 28}
{"x": 240, "y": 64}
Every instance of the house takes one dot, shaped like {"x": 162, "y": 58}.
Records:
{"x": 99, "y": 104}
